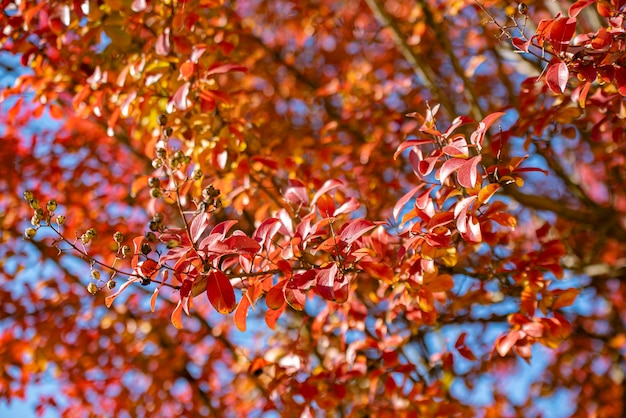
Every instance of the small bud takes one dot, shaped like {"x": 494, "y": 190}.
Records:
{"x": 218, "y": 203}
{"x": 145, "y": 281}
{"x": 85, "y": 239}
{"x": 34, "y": 204}
{"x": 51, "y": 205}
{"x": 154, "y": 182}
{"x": 153, "y": 226}
{"x": 197, "y": 174}
{"x": 156, "y": 193}
{"x": 157, "y": 163}
{"x": 29, "y": 196}
{"x": 522, "y": 8}
{"x": 162, "y": 119}
{"x": 158, "y": 217}
{"x": 179, "y": 155}
{"x": 125, "y": 251}
{"x": 118, "y": 237}
{"x": 91, "y": 232}
{"x": 95, "y": 274}
{"x": 172, "y": 244}
{"x": 92, "y": 288}
{"x": 30, "y": 233}
{"x": 35, "y": 220}
{"x": 167, "y": 132}
{"x": 39, "y": 213}
{"x": 111, "y": 284}
{"x": 161, "y": 153}
{"x": 150, "y": 237}
{"x": 61, "y": 220}
{"x": 145, "y": 248}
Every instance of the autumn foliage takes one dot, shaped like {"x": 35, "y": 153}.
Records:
{"x": 357, "y": 208}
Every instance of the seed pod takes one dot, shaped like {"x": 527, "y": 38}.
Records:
{"x": 92, "y": 288}
{"x": 167, "y": 132}
{"x": 91, "y": 232}
{"x": 522, "y": 8}
{"x": 145, "y": 248}
{"x": 158, "y": 217}
{"x": 161, "y": 153}
{"x": 145, "y": 281}
{"x": 85, "y": 239}
{"x": 153, "y": 226}
{"x": 61, "y": 220}
{"x": 34, "y": 204}
{"x": 197, "y": 174}
{"x": 157, "y": 163}
{"x": 118, "y": 237}
{"x": 150, "y": 237}
{"x": 156, "y": 193}
{"x": 51, "y": 205}
{"x": 30, "y": 233}
{"x": 125, "y": 251}
{"x": 29, "y": 196}
{"x": 95, "y": 274}
{"x": 172, "y": 244}
{"x": 111, "y": 284}
{"x": 154, "y": 182}
{"x": 39, "y": 213}
{"x": 35, "y": 220}
{"x": 162, "y": 119}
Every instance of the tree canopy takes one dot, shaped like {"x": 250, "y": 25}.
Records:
{"x": 345, "y": 208}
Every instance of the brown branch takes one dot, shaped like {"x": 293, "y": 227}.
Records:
{"x": 423, "y": 72}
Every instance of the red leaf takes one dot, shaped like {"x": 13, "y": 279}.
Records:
{"x": 565, "y": 298}
{"x": 504, "y": 343}
{"x": 449, "y": 167}
{"x": 242, "y": 244}
{"x": 296, "y": 193}
{"x": 220, "y": 292}
{"x": 561, "y": 33}
{"x": 520, "y": 44}
{"x": 296, "y": 298}
{"x": 326, "y": 282}
{"x": 198, "y": 226}
{"x": 327, "y": 187}
{"x": 577, "y": 7}
{"x": 137, "y": 244}
{"x": 440, "y": 219}
{"x": 162, "y": 46}
{"x": 458, "y": 121}
{"x": 478, "y": 135}
{"x": 326, "y": 206}
{"x": 557, "y": 76}
{"x": 179, "y": 100}
{"x": 349, "y": 206}
{"x": 225, "y": 68}
{"x": 468, "y": 173}
{"x": 404, "y": 199}
{"x": 353, "y": 230}
{"x": 410, "y": 144}
{"x": 266, "y": 231}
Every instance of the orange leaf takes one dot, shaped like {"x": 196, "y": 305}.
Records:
{"x": 241, "y": 313}
{"x": 177, "y": 316}
{"x": 379, "y": 271}
{"x": 565, "y": 298}
{"x": 441, "y": 283}
{"x": 275, "y": 297}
